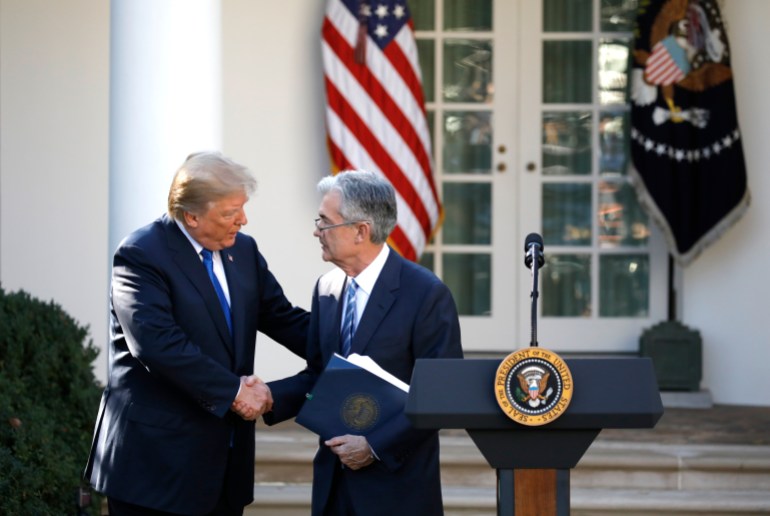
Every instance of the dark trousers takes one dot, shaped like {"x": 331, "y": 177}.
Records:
{"x": 223, "y": 507}
{"x": 118, "y": 508}
{"x": 339, "y": 503}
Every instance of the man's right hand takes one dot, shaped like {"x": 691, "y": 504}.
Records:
{"x": 254, "y": 398}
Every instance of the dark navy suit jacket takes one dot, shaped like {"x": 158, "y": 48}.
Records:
{"x": 410, "y": 314}
{"x": 164, "y": 428}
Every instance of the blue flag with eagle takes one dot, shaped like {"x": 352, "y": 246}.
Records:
{"x": 688, "y": 165}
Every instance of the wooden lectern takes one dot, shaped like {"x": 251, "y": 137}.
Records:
{"x": 533, "y": 463}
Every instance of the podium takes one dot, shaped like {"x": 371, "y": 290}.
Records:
{"x": 533, "y": 463}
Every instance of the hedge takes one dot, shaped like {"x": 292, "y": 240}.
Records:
{"x": 48, "y": 403}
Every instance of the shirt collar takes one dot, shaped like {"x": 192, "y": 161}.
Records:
{"x": 195, "y": 244}
{"x": 368, "y": 277}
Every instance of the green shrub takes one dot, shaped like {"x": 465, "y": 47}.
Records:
{"x": 48, "y": 403}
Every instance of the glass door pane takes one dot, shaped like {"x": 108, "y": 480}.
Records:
{"x": 467, "y": 145}
{"x": 567, "y": 15}
{"x": 467, "y": 71}
{"x": 567, "y": 142}
{"x": 567, "y": 72}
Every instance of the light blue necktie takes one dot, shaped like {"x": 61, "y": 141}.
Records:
{"x": 209, "y": 263}
{"x": 349, "y": 324}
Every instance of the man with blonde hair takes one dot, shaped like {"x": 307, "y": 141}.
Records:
{"x": 175, "y": 429}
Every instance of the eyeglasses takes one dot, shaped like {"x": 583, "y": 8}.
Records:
{"x": 319, "y": 227}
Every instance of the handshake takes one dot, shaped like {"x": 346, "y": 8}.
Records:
{"x": 253, "y": 399}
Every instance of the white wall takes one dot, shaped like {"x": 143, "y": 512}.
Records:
{"x": 725, "y": 288}
{"x": 54, "y": 155}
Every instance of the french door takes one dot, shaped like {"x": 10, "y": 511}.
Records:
{"x": 528, "y": 103}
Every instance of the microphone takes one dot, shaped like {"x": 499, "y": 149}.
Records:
{"x": 533, "y": 248}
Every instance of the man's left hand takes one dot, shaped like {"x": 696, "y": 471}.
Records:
{"x": 353, "y": 450}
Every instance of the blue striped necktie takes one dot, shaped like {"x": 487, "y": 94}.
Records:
{"x": 208, "y": 261}
{"x": 349, "y": 324}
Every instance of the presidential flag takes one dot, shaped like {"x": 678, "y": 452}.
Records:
{"x": 688, "y": 165}
{"x": 375, "y": 110}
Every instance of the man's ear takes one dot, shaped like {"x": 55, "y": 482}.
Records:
{"x": 190, "y": 219}
{"x": 364, "y": 232}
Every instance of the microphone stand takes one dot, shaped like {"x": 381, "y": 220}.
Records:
{"x": 534, "y": 295}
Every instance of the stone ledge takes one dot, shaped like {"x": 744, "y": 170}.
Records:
{"x": 687, "y": 399}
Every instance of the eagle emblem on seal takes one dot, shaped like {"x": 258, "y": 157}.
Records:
{"x": 533, "y": 381}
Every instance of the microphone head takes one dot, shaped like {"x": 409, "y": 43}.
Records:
{"x": 533, "y": 238}
{"x": 533, "y": 250}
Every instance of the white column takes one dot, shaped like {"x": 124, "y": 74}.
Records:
{"x": 165, "y": 101}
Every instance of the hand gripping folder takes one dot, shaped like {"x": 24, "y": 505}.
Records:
{"x": 352, "y": 396}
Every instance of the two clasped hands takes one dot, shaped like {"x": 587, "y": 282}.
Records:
{"x": 254, "y": 399}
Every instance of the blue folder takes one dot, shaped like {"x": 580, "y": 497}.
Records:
{"x": 348, "y": 399}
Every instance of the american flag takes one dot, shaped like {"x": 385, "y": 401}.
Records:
{"x": 375, "y": 110}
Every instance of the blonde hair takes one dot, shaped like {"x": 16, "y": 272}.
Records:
{"x": 203, "y": 178}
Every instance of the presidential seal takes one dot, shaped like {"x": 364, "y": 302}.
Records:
{"x": 533, "y": 386}
{"x": 359, "y": 412}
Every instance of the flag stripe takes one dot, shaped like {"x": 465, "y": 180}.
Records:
{"x": 664, "y": 73}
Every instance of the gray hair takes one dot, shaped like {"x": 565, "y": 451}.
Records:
{"x": 364, "y": 196}
{"x": 206, "y": 177}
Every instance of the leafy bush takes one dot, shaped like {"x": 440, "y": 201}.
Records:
{"x": 48, "y": 403}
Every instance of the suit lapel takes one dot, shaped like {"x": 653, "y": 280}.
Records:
{"x": 192, "y": 267}
{"x": 330, "y": 289}
{"x": 382, "y": 297}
